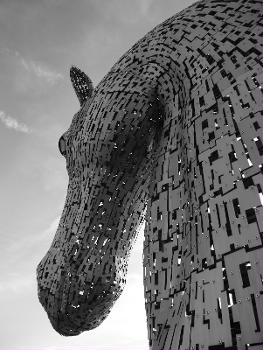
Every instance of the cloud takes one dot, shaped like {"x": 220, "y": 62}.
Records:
{"x": 38, "y": 69}
{"x": 28, "y": 75}
{"x": 41, "y": 71}
{"x": 12, "y": 123}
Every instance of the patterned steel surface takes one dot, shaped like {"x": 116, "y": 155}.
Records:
{"x": 172, "y": 134}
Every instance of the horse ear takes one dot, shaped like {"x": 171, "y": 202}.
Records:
{"x": 82, "y": 84}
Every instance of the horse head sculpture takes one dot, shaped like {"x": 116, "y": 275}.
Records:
{"x": 170, "y": 135}
{"x": 106, "y": 150}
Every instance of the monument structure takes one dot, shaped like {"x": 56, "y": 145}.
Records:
{"x": 173, "y": 135}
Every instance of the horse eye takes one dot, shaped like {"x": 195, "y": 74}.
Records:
{"x": 62, "y": 146}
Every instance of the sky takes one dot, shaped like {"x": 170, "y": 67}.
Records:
{"x": 39, "y": 41}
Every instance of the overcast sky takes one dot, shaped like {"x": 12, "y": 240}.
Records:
{"x": 39, "y": 41}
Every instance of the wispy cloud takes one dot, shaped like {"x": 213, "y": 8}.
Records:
{"x": 29, "y": 75}
{"x": 40, "y": 71}
{"x": 12, "y": 123}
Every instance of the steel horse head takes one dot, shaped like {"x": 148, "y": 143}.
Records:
{"x": 172, "y": 135}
